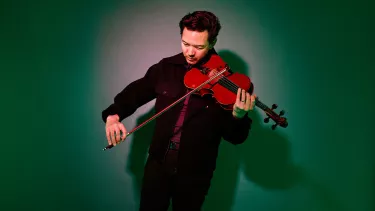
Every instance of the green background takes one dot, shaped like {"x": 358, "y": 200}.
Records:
{"x": 62, "y": 62}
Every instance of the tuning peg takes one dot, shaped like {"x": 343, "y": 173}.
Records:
{"x": 282, "y": 112}
{"x": 267, "y": 119}
{"x": 274, "y": 106}
{"x": 274, "y": 126}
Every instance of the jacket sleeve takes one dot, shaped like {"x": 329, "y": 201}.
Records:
{"x": 235, "y": 130}
{"x": 134, "y": 95}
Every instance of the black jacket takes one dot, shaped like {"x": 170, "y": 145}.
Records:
{"x": 205, "y": 121}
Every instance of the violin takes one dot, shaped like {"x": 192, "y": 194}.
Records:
{"x": 216, "y": 79}
{"x": 223, "y": 87}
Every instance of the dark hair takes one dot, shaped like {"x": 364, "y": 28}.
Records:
{"x": 201, "y": 21}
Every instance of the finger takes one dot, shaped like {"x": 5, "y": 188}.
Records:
{"x": 238, "y": 100}
{"x": 248, "y": 103}
{"x": 113, "y": 138}
{"x": 118, "y": 134}
{"x": 124, "y": 132}
{"x": 243, "y": 98}
{"x": 108, "y": 134}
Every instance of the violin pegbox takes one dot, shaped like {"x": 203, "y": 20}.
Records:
{"x": 271, "y": 114}
{"x": 278, "y": 118}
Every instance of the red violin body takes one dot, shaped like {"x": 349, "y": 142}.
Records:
{"x": 223, "y": 85}
{"x": 223, "y": 89}
{"x": 226, "y": 97}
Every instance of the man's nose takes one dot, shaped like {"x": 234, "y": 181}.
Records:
{"x": 191, "y": 52}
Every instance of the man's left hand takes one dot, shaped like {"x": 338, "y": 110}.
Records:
{"x": 244, "y": 103}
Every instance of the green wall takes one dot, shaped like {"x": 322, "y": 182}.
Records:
{"x": 63, "y": 61}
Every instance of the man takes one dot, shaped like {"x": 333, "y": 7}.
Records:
{"x": 183, "y": 151}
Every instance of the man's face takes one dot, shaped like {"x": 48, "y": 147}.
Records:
{"x": 194, "y": 45}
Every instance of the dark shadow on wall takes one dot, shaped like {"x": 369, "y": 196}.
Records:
{"x": 139, "y": 151}
{"x": 264, "y": 157}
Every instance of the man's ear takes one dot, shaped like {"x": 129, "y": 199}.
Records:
{"x": 212, "y": 44}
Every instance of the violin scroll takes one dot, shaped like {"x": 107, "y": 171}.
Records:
{"x": 277, "y": 118}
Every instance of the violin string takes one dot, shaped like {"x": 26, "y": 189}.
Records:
{"x": 233, "y": 87}
{"x": 227, "y": 83}
{"x": 230, "y": 84}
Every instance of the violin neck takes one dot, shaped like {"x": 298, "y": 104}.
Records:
{"x": 233, "y": 88}
{"x": 261, "y": 105}
{"x": 225, "y": 82}
{"x": 265, "y": 108}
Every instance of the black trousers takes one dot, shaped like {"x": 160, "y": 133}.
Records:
{"x": 162, "y": 184}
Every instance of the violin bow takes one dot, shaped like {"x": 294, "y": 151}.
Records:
{"x": 170, "y": 106}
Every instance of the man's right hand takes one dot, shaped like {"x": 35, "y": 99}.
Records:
{"x": 112, "y": 129}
